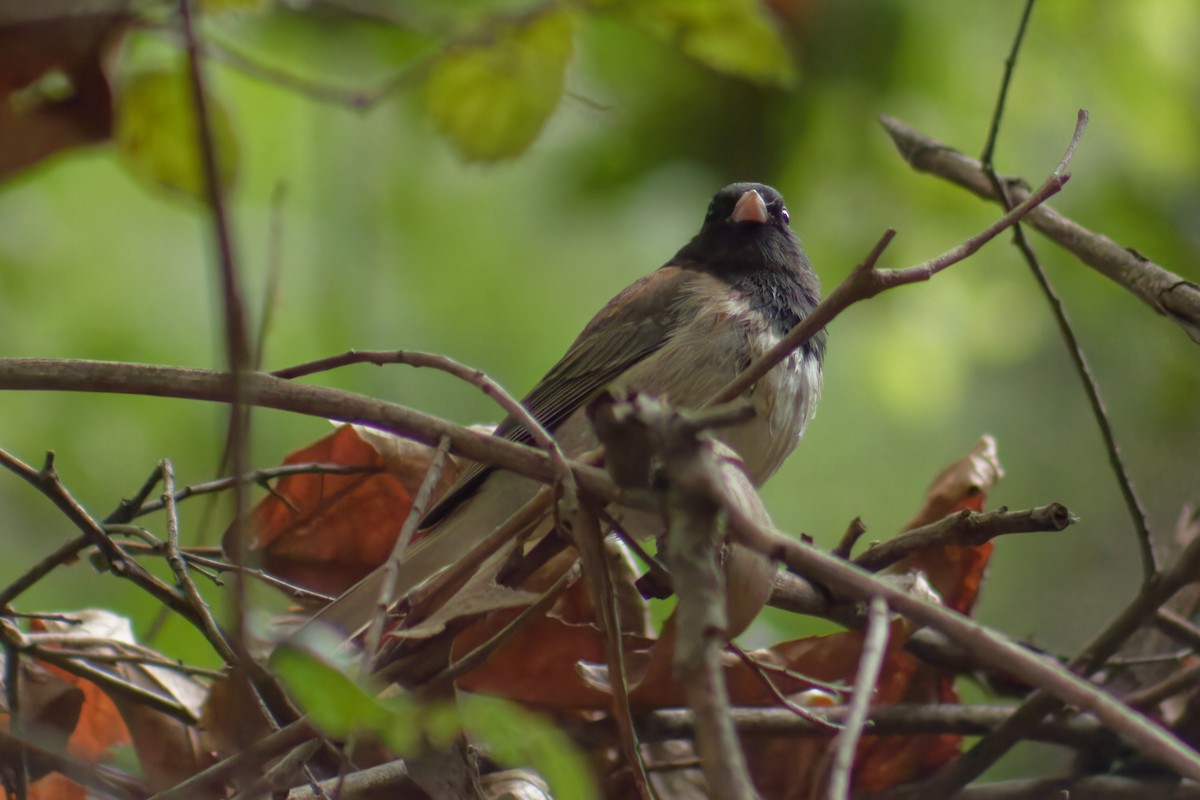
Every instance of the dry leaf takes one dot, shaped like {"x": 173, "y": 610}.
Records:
{"x": 54, "y": 93}
{"x": 326, "y": 532}
{"x": 168, "y": 749}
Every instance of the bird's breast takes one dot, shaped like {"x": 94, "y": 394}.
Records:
{"x": 710, "y": 349}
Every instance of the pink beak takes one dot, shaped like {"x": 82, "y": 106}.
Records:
{"x": 750, "y": 208}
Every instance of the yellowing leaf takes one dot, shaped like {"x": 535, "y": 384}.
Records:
{"x": 492, "y": 100}
{"x": 733, "y": 36}
{"x": 156, "y": 133}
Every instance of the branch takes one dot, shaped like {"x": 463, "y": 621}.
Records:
{"x": 475, "y": 377}
{"x": 236, "y": 335}
{"x": 433, "y": 475}
{"x": 903, "y": 719}
{"x": 47, "y": 482}
{"x": 693, "y": 540}
{"x": 870, "y": 662}
{"x": 638, "y": 430}
{"x": 183, "y": 579}
{"x": 865, "y": 281}
{"x": 270, "y": 392}
{"x": 1091, "y": 386}
{"x": 1164, "y": 291}
{"x": 1058, "y": 685}
{"x": 965, "y": 528}
{"x": 252, "y": 760}
{"x": 1151, "y": 596}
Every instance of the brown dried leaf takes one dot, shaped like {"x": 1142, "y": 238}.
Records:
{"x": 54, "y": 93}
{"x": 326, "y": 532}
{"x": 168, "y": 749}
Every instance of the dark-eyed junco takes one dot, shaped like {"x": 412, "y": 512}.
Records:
{"x": 681, "y": 333}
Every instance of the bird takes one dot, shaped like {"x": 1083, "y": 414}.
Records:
{"x": 681, "y": 333}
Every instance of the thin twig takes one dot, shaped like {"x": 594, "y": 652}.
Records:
{"x": 128, "y": 508}
{"x": 1166, "y": 292}
{"x": 476, "y": 377}
{"x": 1133, "y": 503}
{"x": 763, "y": 667}
{"x": 15, "y": 641}
{"x": 236, "y": 335}
{"x": 248, "y": 761}
{"x": 433, "y": 476}
{"x": 361, "y": 100}
{"x": 854, "y": 532}
{"x": 583, "y": 527}
{"x": 1091, "y": 387}
{"x": 294, "y": 591}
{"x": 259, "y": 477}
{"x": 1077, "y": 730}
{"x": 179, "y": 568}
{"x": 1059, "y": 685}
{"x": 1146, "y": 697}
{"x": 791, "y": 705}
{"x": 1010, "y": 64}
{"x": 46, "y": 481}
{"x": 866, "y": 281}
{"x": 1178, "y": 627}
{"x": 965, "y": 528}
{"x": 148, "y": 659}
{"x": 64, "y": 554}
{"x": 870, "y": 662}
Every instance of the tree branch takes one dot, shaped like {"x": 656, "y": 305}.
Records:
{"x": 965, "y": 528}
{"x": 1167, "y": 293}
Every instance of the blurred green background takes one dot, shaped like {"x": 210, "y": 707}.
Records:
{"x": 389, "y": 240}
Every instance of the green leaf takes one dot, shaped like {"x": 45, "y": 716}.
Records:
{"x": 733, "y": 36}
{"x": 520, "y": 738}
{"x": 492, "y": 100}
{"x": 339, "y": 707}
{"x": 317, "y": 680}
{"x": 156, "y": 132}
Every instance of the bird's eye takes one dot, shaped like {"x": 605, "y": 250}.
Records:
{"x": 783, "y": 214}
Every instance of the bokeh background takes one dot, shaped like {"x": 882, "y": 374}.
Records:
{"x": 387, "y": 240}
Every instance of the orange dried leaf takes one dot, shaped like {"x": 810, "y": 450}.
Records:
{"x": 167, "y": 748}
{"x": 100, "y": 726}
{"x": 326, "y": 532}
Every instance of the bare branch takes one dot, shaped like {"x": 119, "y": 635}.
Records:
{"x": 866, "y": 280}
{"x": 179, "y": 567}
{"x": 270, "y": 392}
{"x": 1164, "y": 291}
{"x": 1058, "y": 685}
{"x": 870, "y": 662}
{"x": 965, "y": 528}
{"x": 432, "y": 477}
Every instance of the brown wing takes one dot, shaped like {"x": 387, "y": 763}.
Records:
{"x": 633, "y": 325}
